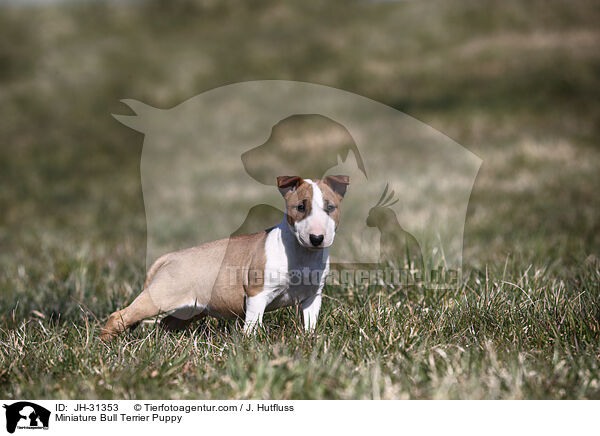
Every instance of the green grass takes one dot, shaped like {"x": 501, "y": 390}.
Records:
{"x": 506, "y": 333}
{"x": 515, "y": 82}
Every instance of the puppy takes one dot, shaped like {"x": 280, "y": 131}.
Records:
{"x": 246, "y": 276}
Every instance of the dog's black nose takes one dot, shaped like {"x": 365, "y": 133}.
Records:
{"x": 316, "y": 239}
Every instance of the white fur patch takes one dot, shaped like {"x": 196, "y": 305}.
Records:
{"x": 288, "y": 263}
{"x": 318, "y": 222}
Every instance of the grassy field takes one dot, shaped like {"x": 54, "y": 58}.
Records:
{"x": 515, "y": 82}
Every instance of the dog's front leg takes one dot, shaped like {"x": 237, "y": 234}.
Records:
{"x": 255, "y": 308}
{"x": 310, "y": 311}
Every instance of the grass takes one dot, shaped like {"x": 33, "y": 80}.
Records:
{"x": 515, "y": 82}
{"x": 506, "y": 333}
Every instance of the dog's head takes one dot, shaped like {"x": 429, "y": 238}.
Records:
{"x": 313, "y": 208}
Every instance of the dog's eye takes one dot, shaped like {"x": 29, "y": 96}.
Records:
{"x": 301, "y": 207}
{"x": 330, "y": 208}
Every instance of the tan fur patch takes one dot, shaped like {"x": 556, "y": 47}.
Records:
{"x": 330, "y": 198}
{"x": 256, "y": 270}
{"x": 302, "y": 196}
{"x": 244, "y": 254}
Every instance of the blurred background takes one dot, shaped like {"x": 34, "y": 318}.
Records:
{"x": 515, "y": 82}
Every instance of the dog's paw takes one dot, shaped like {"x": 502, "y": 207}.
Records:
{"x": 107, "y": 335}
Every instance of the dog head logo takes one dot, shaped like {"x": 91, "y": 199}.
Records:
{"x": 308, "y": 145}
{"x": 209, "y": 169}
{"x": 26, "y": 415}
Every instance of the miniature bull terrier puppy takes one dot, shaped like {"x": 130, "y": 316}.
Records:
{"x": 246, "y": 276}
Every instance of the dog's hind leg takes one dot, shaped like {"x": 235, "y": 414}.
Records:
{"x": 142, "y": 307}
{"x": 182, "y": 280}
{"x": 156, "y": 299}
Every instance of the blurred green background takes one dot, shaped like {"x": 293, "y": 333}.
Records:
{"x": 516, "y": 82}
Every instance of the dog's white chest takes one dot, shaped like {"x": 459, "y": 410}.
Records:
{"x": 292, "y": 273}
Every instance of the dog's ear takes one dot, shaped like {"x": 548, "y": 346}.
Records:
{"x": 338, "y": 184}
{"x": 288, "y": 184}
